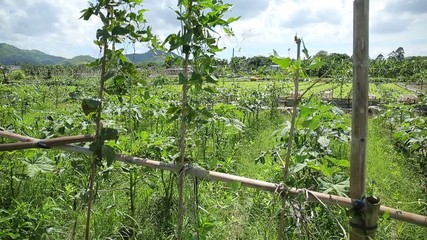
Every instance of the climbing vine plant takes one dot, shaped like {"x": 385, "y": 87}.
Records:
{"x": 198, "y": 42}
{"x": 121, "y": 22}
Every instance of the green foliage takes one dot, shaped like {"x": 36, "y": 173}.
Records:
{"x": 17, "y": 75}
{"x": 44, "y": 193}
{"x": 409, "y": 134}
{"x": 237, "y": 130}
{"x": 319, "y": 128}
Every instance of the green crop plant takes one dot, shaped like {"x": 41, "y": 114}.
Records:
{"x": 44, "y": 194}
{"x": 198, "y": 43}
{"x": 121, "y": 21}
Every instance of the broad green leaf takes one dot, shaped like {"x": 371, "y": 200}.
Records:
{"x": 87, "y": 13}
{"x": 107, "y": 76}
{"x": 144, "y": 136}
{"x": 386, "y": 215}
{"x": 196, "y": 78}
{"x": 304, "y": 50}
{"x": 232, "y": 19}
{"x": 109, "y": 154}
{"x": 182, "y": 79}
{"x": 317, "y": 63}
{"x": 338, "y": 162}
{"x": 102, "y": 34}
{"x": 96, "y": 146}
{"x": 298, "y": 167}
{"x": 118, "y": 30}
{"x": 306, "y": 111}
{"x": 109, "y": 133}
{"x": 211, "y": 79}
{"x": 147, "y": 95}
{"x": 90, "y": 105}
{"x": 41, "y": 164}
{"x": 284, "y": 63}
{"x": 315, "y": 124}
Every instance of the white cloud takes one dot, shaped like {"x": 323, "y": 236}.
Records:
{"x": 49, "y": 26}
{"x": 54, "y": 27}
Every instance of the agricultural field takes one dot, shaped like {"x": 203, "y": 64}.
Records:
{"x": 152, "y": 146}
{"x": 46, "y": 190}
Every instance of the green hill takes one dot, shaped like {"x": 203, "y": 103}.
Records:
{"x": 82, "y": 59}
{"x": 10, "y": 55}
{"x": 155, "y": 56}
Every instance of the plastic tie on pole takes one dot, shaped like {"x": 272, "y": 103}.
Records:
{"x": 280, "y": 188}
{"x": 41, "y": 144}
{"x": 363, "y": 226}
{"x": 364, "y": 216}
{"x": 184, "y": 169}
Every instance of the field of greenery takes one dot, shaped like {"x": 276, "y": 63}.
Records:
{"x": 205, "y": 117}
{"x": 44, "y": 192}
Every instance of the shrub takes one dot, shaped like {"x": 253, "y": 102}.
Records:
{"x": 17, "y": 75}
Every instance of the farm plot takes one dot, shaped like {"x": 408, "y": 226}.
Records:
{"x": 234, "y": 137}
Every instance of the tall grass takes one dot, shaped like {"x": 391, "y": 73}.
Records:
{"x": 389, "y": 177}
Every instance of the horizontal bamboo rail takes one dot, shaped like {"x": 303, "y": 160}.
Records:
{"x": 46, "y": 143}
{"x": 310, "y": 196}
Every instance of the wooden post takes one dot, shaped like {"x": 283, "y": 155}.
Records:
{"x": 359, "y": 128}
{"x": 360, "y": 99}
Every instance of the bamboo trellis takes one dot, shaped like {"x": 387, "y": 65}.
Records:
{"x": 310, "y": 196}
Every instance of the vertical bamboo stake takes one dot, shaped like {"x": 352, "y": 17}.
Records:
{"x": 372, "y": 209}
{"x": 360, "y": 101}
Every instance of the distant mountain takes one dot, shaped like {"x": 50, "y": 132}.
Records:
{"x": 155, "y": 56}
{"x": 10, "y": 55}
{"x": 82, "y": 59}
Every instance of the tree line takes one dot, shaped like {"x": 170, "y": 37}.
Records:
{"x": 393, "y": 67}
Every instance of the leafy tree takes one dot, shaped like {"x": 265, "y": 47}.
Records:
{"x": 17, "y": 75}
{"x": 5, "y": 72}
{"x": 258, "y": 61}
{"x": 238, "y": 64}
{"x": 397, "y": 55}
{"x": 380, "y": 57}
{"x": 332, "y": 63}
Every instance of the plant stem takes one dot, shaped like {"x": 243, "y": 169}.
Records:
{"x": 89, "y": 200}
{"x": 290, "y": 141}
{"x": 181, "y": 172}
{"x": 98, "y": 156}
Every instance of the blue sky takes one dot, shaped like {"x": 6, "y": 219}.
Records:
{"x": 53, "y": 26}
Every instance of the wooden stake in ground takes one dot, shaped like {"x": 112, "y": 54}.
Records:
{"x": 359, "y": 128}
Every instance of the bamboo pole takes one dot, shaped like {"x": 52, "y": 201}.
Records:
{"x": 360, "y": 100}
{"x": 310, "y": 196}
{"x": 359, "y": 128}
{"x": 46, "y": 143}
